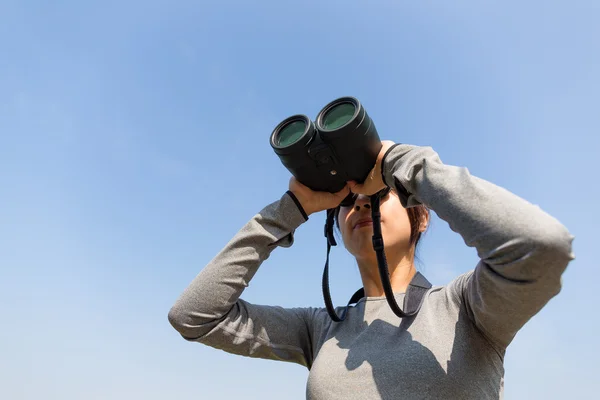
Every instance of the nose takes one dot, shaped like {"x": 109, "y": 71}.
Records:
{"x": 362, "y": 201}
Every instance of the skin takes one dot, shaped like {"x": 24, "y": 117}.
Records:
{"x": 395, "y": 227}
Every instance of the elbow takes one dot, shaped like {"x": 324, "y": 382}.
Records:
{"x": 559, "y": 242}
{"x": 541, "y": 254}
{"x": 554, "y": 247}
{"x": 180, "y": 319}
{"x": 191, "y": 324}
{"x": 177, "y": 319}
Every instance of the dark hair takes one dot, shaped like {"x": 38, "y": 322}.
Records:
{"x": 416, "y": 214}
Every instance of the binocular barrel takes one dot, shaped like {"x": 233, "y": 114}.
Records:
{"x": 341, "y": 145}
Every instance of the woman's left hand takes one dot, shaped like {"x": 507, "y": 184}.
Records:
{"x": 374, "y": 182}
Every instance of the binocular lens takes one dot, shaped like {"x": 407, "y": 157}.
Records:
{"x": 291, "y": 133}
{"x": 342, "y": 144}
{"x": 338, "y": 116}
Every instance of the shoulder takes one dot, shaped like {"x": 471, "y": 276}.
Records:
{"x": 452, "y": 293}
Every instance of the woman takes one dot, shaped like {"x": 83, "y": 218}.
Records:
{"x": 453, "y": 348}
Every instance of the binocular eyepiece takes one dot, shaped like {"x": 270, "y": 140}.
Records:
{"x": 341, "y": 145}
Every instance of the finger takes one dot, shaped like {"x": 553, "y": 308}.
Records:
{"x": 356, "y": 187}
{"x": 343, "y": 192}
{"x": 297, "y": 182}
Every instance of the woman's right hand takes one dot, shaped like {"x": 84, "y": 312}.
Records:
{"x": 313, "y": 201}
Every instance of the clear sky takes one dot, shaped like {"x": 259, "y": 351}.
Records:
{"x": 134, "y": 144}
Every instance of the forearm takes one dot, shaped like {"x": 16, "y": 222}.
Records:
{"x": 216, "y": 289}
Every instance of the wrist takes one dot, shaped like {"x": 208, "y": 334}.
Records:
{"x": 301, "y": 207}
{"x": 383, "y": 159}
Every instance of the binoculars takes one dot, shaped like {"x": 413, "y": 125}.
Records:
{"x": 341, "y": 145}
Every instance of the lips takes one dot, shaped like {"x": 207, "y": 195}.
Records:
{"x": 363, "y": 222}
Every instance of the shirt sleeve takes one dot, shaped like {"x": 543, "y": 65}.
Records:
{"x": 211, "y": 312}
{"x": 523, "y": 251}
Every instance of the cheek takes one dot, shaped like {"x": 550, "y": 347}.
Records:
{"x": 342, "y": 219}
{"x": 397, "y": 224}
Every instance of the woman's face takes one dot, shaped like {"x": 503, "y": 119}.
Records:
{"x": 356, "y": 226}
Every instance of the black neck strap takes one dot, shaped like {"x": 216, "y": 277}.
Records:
{"x": 415, "y": 293}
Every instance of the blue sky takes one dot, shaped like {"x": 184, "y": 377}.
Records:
{"x": 134, "y": 144}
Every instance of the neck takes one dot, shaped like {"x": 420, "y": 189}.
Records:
{"x": 401, "y": 269}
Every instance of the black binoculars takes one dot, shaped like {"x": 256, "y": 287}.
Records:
{"x": 341, "y": 145}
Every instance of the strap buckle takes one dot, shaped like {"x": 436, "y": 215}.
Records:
{"x": 377, "y": 243}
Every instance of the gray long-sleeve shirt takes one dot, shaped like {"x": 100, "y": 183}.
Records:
{"x": 452, "y": 349}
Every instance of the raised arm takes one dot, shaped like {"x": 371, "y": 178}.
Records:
{"x": 210, "y": 310}
{"x": 523, "y": 250}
